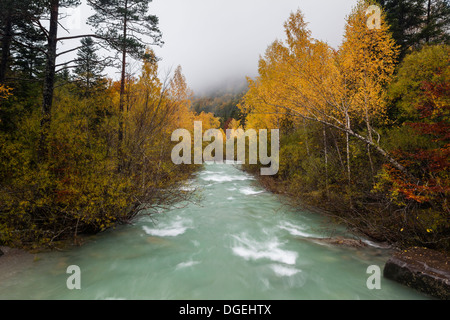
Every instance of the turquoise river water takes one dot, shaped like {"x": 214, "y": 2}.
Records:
{"x": 240, "y": 242}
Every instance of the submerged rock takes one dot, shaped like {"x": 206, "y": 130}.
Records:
{"x": 425, "y": 270}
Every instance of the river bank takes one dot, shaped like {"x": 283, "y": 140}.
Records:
{"x": 420, "y": 268}
{"x": 241, "y": 243}
{"x": 13, "y": 261}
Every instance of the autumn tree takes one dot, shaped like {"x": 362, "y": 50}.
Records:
{"x": 422, "y": 88}
{"x": 368, "y": 62}
{"x": 182, "y": 95}
{"x": 307, "y": 79}
{"x": 126, "y": 27}
{"x": 78, "y": 189}
{"x": 392, "y": 124}
{"x": 406, "y": 91}
{"x": 53, "y": 14}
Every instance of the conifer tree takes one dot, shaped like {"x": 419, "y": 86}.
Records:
{"x": 415, "y": 22}
{"x": 88, "y": 72}
{"x": 21, "y": 41}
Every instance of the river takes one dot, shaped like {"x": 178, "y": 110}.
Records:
{"x": 240, "y": 242}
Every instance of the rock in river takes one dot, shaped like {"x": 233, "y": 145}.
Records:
{"x": 423, "y": 269}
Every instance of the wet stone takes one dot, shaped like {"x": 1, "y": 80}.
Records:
{"x": 425, "y": 270}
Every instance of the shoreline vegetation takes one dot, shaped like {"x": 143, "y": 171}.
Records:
{"x": 364, "y": 128}
{"x": 80, "y": 152}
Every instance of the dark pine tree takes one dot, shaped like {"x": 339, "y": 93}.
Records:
{"x": 417, "y": 22}
{"x": 53, "y": 8}
{"x": 89, "y": 69}
{"x": 21, "y": 41}
{"x": 406, "y": 20}
{"x": 436, "y": 22}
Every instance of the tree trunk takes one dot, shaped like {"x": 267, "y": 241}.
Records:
{"x": 349, "y": 132}
{"x": 49, "y": 81}
{"x": 305, "y": 130}
{"x": 369, "y": 128}
{"x": 6, "y": 45}
{"x": 372, "y": 169}
{"x": 336, "y": 143}
{"x": 347, "y": 147}
{"x": 346, "y": 128}
{"x": 427, "y": 37}
{"x": 325, "y": 149}
{"x": 122, "y": 90}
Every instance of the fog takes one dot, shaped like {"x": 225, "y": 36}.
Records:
{"x": 218, "y": 42}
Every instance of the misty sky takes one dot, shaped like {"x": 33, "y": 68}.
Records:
{"x": 221, "y": 40}
{"x": 218, "y": 41}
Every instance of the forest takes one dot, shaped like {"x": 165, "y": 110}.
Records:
{"x": 79, "y": 152}
{"x": 365, "y": 131}
{"x": 364, "y": 127}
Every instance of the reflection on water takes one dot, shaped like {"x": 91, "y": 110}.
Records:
{"x": 241, "y": 242}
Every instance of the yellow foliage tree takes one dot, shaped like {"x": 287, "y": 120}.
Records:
{"x": 368, "y": 60}
{"x": 181, "y": 95}
{"x": 208, "y": 120}
{"x": 306, "y": 79}
{"x": 5, "y": 93}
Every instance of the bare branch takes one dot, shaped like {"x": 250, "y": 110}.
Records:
{"x": 82, "y": 36}
{"x": 29, "y": 46}
{"x": 67, "y": 62}
{"x": 65, "y": 68}
{"x": 65, "y": 29}
{"x": 68, "y": 51}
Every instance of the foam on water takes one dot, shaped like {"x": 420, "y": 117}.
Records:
{"x": 250, "y": 249}
{"x": 206, "y": 172}
{"x": 225, "y": 178}
{"x": 172, "y": 229}
{"x": 284, "y": 271}
{"x": 294, "y": 229}
{"x": 186, "y": 264}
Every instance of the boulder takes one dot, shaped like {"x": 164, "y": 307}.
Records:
{"x": 425, "y": 270}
